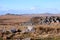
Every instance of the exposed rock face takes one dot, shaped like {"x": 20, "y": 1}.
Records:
{"x": 46, "y": 20}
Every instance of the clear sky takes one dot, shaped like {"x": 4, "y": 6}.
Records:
{"x": 30, "y": 6}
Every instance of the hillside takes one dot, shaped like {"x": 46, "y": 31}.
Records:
{"x": 33, "y": 26}
{"x": 12, "y": 19}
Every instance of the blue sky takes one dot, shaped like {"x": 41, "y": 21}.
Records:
{"x": 29, "y": 6}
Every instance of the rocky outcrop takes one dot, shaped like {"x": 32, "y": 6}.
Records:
{"x": 29, "y": 29}
{"x": 45, "y": 20}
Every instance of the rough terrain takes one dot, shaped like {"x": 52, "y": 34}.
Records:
{"x": 29, "y": 27}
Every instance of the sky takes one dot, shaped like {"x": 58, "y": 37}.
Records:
{"x": 29, "y": 6}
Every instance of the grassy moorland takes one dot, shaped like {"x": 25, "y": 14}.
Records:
{"x": 14, "y": 27}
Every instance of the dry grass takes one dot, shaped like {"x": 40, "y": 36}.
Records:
{"x": 42, "y": 31}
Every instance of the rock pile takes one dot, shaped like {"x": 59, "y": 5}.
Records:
{"x": 45, "y": 20}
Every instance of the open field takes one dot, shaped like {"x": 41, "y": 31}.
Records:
{"x": 30, "y": 27}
